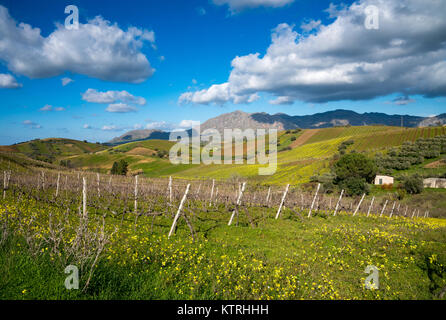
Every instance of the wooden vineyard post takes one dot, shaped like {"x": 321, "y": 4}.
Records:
{"x": 283, "y": 201}
{"x": 384, "y": 208}
{"x": 339, "y": 201}
{"x": 170, "y": 189}
{"x": 314, "y": 200}
{"x": 370, "y": 207}
{"x": 136, "y": 194}
{"x": 212, "y": 192}
{"x": 4, "y": 184}
{"x": 99, "y": 181}
{"x": 413, "y": 214}
{"x": 175, "y": 220}
{"x": 84, "y": 198}
{"x": 393, "y": 208}
{"x": 405, "y": 212}
{"x": 57, "y": 185}
{"x": 359, "y": 205}
{"x": 43, "y": 180}
{"x": 239, "y": 200}
{"x": 267, "y": 197}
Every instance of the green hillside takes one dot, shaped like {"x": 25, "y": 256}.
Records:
{"x": 53, "y": 149}
{"x": 301, "y": 154}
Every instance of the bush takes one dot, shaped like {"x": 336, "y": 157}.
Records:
{"x": 412, "y": 184}
{"x": 120, "y": 168}
{"x": 355, "y": 186}
{"x": 355, "y": 165}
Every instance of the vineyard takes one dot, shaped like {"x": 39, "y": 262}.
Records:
{"x": 145, "y": 238}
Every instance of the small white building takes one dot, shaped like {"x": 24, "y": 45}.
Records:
{"x": 434, "y": 183}
{"x": 382, "y": 180}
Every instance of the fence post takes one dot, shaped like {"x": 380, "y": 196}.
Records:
{"x": 136, "y": 194}
{"x": 99, "y": 180}
{"x": 283, "y": 201}
{"x": 359, "y": 205}
{"x": 170, "y": 189}
{"x": 314, "y": 200}
{"x": 371, "y": 205}
{"x": 267, "y": 196}
{"x": 84, "y": 197}
{"x": 239, "y": 200}
{"x": 57, "y": 185}
{"x": 384, "y": 208}
{"x": 212, "y": 192}
{"x": 172, "y": 229}
{"x": 393, "y": 208}
{"x": 339, "y": 201}
{"x": 4, "y": 185}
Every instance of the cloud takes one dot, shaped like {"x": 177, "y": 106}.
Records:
{"x": 344, "y": 60}
{"x": 188, "y": 123}
{"x": 120, "y": 108}
{"x": 94, "y": 96}
{"x": 403, "y": 100}
{"x": 51, "y": 108}
{"x": 239, "y": 5}
{"x": 218, "y": 94}
{"x": 159, "y": 125}
{"x": 87, "y": 126}
{"x": 282, "y": 100}
{"x": 170, "y": 126}
{"x": 31, "y": 124}
{"x": 7, "y": 81}
{"x": 311, "y": 25}
{"x": 98, "y": 49}
{"x": 111, "y": 128}
{"x": 66, "y": 81}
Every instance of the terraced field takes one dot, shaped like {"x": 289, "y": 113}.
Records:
{"x": 301, "y": 155}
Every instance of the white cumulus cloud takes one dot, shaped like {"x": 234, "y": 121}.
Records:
{"x": 99, "y": 49}
{"x": 7, "y": 81}
{"x": 344, "y": 60}
{"x": 32, "y": 124}
{"x": 120, "y": 108}
{"x": 66, "y": 81}
{"x": 94, "y": 96}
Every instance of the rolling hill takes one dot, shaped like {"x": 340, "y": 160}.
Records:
{"x": 282, "y": 121}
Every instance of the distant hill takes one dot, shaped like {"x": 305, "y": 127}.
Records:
{"x": 139, "y": 135}
{"x": 336, "y": 118}
{"x": 282, "y": 121}
{"x": 53, "y": 149}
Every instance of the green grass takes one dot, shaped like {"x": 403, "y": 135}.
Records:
{"x": 322, "y": 257}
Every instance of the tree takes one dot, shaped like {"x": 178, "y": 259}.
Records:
{"x": 353, "y": 171}
{"x": 355, "y": 165}
{"x": 412, "y": 184}
{"x": 123, "y": 167}
{"x": 120, "y": 168}
{"x": 114, "y": 169}
{"x": 354, "y": 186}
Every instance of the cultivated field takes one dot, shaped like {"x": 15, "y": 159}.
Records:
{"x": 115, "y": 230}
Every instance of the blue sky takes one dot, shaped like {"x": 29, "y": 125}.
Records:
{"x": 188, "y": 48}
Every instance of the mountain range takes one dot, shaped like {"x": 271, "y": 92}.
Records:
{"x": 282, "y": 121}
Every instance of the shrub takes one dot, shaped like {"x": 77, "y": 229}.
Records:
{"x": 354, "y": 186}
{"x": 412, "y": 184}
